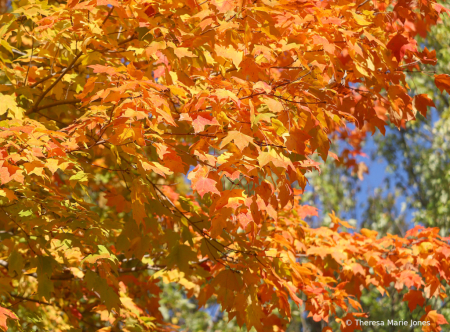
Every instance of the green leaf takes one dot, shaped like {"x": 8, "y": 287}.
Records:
{"x": 45, "y": 287}
{"x": 26, "y": 213}
{"x": 100, "y": 285}
{"x": 180, "y": 256}
{"x": 80, "y": 176}
{"x": 15, "y": 262}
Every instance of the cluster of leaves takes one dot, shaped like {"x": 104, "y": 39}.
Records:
{"x": 415, "y": 186}
{"x": 109, "y": 106}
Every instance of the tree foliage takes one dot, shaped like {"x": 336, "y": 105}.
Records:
{"x": 110, "y": 107}
{"x": 413, "y": 187}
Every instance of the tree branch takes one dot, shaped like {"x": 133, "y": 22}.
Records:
{"x": 30, "y": 300}
{"x": 42, "y": 96}
{"x": 57, "y": 103}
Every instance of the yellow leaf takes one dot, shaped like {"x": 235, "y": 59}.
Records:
{"x": 360, "y": 19}
{"x": 8, "y": 102}
{"x": 230, "y": 53}
{"x": 241, "y": 140}
{"x": 182, "y": 52}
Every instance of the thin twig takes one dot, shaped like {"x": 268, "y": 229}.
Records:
{"x": 107, "y": 16}
{"x": 29, "y": 64}
{"x": 57, "y": 103}
{"x": 30, "y": 300}
{"x": 362, "y": 4}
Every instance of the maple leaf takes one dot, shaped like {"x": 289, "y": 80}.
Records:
{"x": 421, "y": 102}
{"x": 306, "y": 210}
{"x": 273, "y": 104}
{"x": 204, "y": 186}
{"x": 229, "y": 53}
{"x": 111, "y": 71}
{"x": 229, "y": 279}
{"x": 349, "y": 324}
{"x": 107, "y": 294}
{"x": 241, "y": 140}
{"x": 8, "y": 193}
{"x": 223, "y": 5}
{"x": 9, "y": 103}
{"x": 181, "y": 255}
{"x": 181, "y": 52}
{"x": 434, "y": 319}
{"x": 327, "y": 46}
{"x": 399, "y": 44}
{"x": 262, "y": 86}
{"x": 442, "y": 82}
{"x": 414, "y": 298}
{"x": 428, "y": 57}
{"x": 200, "y": 122}
{"x": 4, "y": 315}
{"x": 150, "y": 11}
{"x": 219, "y": 221}
{"x": 235, "y": 96}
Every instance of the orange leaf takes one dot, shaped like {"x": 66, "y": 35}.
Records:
{"x": 421, "y": 102}
{"x": 205, "y": 185}
{"x": 200, "y": 122}
{"x": 223, "y": 5}
{"x": 241, "y": 140}
{"x": 442, "y": 82}
{"x": 349, "y": 323}
{"x": 4, "y": 315}
{"x": 415, "y": 298}
{"x": 399, "y": 45}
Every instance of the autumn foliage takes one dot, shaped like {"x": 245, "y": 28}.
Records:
{"x": 109, "y": 108}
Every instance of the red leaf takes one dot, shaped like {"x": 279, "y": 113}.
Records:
{"x": 421, "y": 102}
{"x": 150, "y": 11}
{"x": 399, "y": 45}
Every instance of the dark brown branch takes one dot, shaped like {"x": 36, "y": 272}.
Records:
{"x": 30, "y": 300}
{"x": 127, "y": 40}
{"x": 43, "y": 80}
{"x": 107, "y": 16}
{"x": 42, "y": 96}
{"x": 51, "y": 119}
{"x": 300, "y": 102}
{"x": 362, "y": 4}
{"x": 57, "y": 103}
